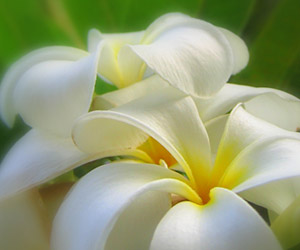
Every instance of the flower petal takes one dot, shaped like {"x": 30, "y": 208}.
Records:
{"x": 215, "y": 128}
{"x": 275, "y": 196}
{"x": 192, "y": 55}
{"x": 283, "y": 113}
{"x": 287, "y": 225}
{"x": 120, "y": 67}
{"x": 229, "y": 96}
{"x": 262, "y": 162}
{"x": 167, "y": 116}
{"x": 226, "y": 222}
{"x": 37, "y": 158}
{"x": 13, "y": 75}
{"x": 23, "y": 223}
{"x": 239, "y": 49}
{"x": 114, "y": 197}
{"x": 125, "y": 95}
{"x": 165, "y": 22}
{"x": 52, "y": 94}
{"x": 243, "y": 129}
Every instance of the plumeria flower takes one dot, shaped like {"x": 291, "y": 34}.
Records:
{"x": 272, "y": 105}
{"x": 190, "y": 54}
{"x": 51, "y": 87}
{"x": 129, "y": 206}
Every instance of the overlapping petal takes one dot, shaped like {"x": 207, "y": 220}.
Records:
{"x": 53, "y": 93}
{"x": 262, "y": 162}
{"x": 243, "y": 129}
{"x": 135, "y": 91}
{"x": 114, "y": 197}
{"x": 13, "y": 75}
{"x": 192, "y": 55}
{"x": 283, "y": 112}
{"x": 232, "y": 94}
{"x": 37, "y": 158}
{"x": 215, "y": 128}
{"x": 275, "y": 196}
{"x": 167, "y": 116}
{"x": 119, "y": 66}
{"x": 226, "y": 222}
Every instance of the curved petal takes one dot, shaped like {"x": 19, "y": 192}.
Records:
{"x": 243, "y": 129}
{"x": 121, "y": 68}
{"x": 215, "y": 128}
{"x": 167, "y": 21}
{"x": 226, "y": 222}
{"x": 122, "y": 96}
{"x": 239, "y": 49}
{"x": 192, "y": 55}
{"x": 275, "y": 196}
{"x": 263, "y": 162}
{"x": 287, "y": 225}
{"x": 52, "y": 94}
{"x": 111, "y": 198}
{"x": 10, "y": 80}
{"x": 283, "y": 113}
{"x": 273, "y": 161}
{"x": 167, "y": 116}
{"x": 37, "y": 158}
{"x": 23, "y": 223}
{"x": 229, "y": 96}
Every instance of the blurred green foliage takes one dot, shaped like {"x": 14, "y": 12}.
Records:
{"x": 269, "y": 27}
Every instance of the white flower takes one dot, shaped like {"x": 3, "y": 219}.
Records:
{"x": 127, "y": 206}
{"x": 51, "y": 87}
{"x": 190, "y": 54}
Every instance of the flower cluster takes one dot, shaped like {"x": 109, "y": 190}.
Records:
{"x": 193, "y": 153}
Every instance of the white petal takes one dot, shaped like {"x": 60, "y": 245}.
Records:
{"x": 111, "y": 198}
{"x": 131, "y": 67}
{"x": 11, "y": 78}
{"x": 243, "y": 129}
{"x": 275, "y": 196}
{"x": 263, "y": 162}
{"x": 167, "y": 116}
{"x": 215, "y": 128}
{"x": 37, "y": 158}
{"x": 239, "y": 49}
{"x": 192, "y": 55}
{"x": 120, "y": 67}
{"x": 163, "y": 23}
{"x": 284, "y": 113}
{"x": 23, "y": 223}
{"x": 287, "y": 225}
{"x": 229, "y": 96}
{"x": 53, "y": 93}
{"x": 125, "y": 95}
{"x": 226, "y": 222}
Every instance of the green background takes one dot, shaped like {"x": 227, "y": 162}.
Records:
{"x": 271, "y": 29}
